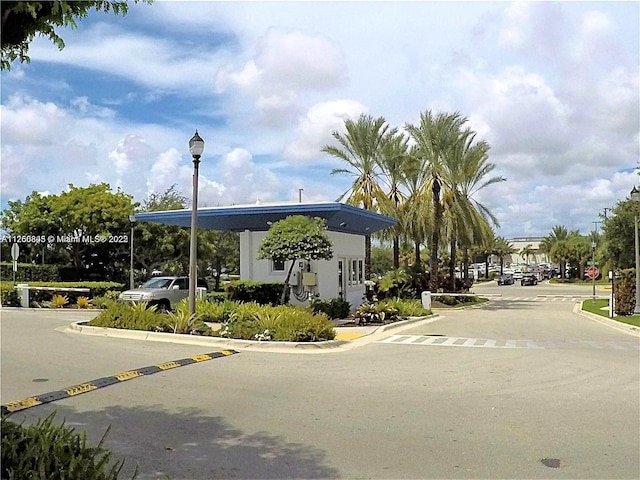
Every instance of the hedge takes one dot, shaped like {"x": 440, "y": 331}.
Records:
{"x": 262, "y": 293}
{"x": 29, "y": 272}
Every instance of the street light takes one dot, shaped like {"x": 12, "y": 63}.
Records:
{"x": 132, "y": 220}
{"x": 196, "y": 147}
{"x": 635, "y": 196}
{"x": 593, "y": 262}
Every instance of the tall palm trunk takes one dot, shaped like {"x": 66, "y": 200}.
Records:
{"x": 367, "y": 257}
{"x": 416, "y": 250}
{"x": 435, "y": 236}
{"x": 396, "y": 252}
{"x": 452, "y": 263}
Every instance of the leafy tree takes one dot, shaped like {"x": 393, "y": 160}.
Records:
{"x": 224, "y": 253}
{"x": 70, "y": 224}
{"x": 619, "y": 235}
{"x": 394, "y": 153}
{"x": 360, "y": 148}
{"x": 381, "y": 260}
{"x": 296, "y": 237}
{"x": 22, "y": 21}
{"x": 437, "y": 141}
{"x": 527, "y": 251}
{"x": 502, "y": 247}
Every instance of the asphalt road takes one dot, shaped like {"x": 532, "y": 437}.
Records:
{"x": 521, "y": 388}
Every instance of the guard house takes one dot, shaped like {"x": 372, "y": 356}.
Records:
{"x": 342, "y": 276}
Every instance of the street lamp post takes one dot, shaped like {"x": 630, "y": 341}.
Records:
{"x": 132, "y": 220}
{"x": 196, "y": 147}
{"x": 635, "y": 196}
{"x": 593, "y": 262}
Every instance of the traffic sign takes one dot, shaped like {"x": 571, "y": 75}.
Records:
{"x": 15, "y": 251}
{"x": 590, "y": 263}
{"x": 592, "y": 272}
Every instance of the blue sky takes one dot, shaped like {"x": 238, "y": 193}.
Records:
{"x": 553, "y": 87}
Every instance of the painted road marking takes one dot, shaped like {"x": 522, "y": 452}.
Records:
{"x": 29, "y": 402}
{"x": 444, "y": 341}
{"x": 348, "y": 335}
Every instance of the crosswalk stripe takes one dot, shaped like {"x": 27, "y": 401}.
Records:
{"x": 445, "y": 341}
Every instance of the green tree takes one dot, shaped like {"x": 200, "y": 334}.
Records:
{"x": 436, "y": 139}
{"x": 618, "y": 235}
{"x": 360, "y": 148}
{"x": 296, "y": 237}
{"x": 502, "y": 247}
{"x": 72, "y": 224}
{"x": 223, "y": 253}
{"x": 394, "y": 153}
{"x": 526, "y": 252}
{"x": 22, "y": 21}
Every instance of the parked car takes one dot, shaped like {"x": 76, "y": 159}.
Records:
{"x": 505, "y": 280}
{"x": 164, "y": 292}
{"x": 529, "y": 279}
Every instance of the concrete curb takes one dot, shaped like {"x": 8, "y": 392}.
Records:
{"x": 622, "y": 327}
{"x": 80, "y": 327}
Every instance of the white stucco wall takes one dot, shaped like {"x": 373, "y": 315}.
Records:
{"x": 346, "y": 248}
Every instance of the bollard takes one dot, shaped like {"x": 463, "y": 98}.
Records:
{"x": 23, "y": 293}
{"x": 426, "y": 300}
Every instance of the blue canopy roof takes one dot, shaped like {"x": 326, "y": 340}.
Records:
{"x": 339, "y": 217}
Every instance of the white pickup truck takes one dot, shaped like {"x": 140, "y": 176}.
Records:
{"x": 164, "y": 292}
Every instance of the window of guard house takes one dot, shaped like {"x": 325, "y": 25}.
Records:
{"x": 277, "y": 266}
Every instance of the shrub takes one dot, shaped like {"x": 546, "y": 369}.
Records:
{"x": 333, "y": 307}
{"x": 29, "y": 272}
{"x": 9, "y": 295}
{"x": 625, "y": 291}
{"x": 83, "y": 302}
{"x": 375, "y": 313}
{"x": 59, "y": 301}
{"x": 183, "y": 322}
{"x": 215, "y": 312}
{"x": 47, "y": 450}
{"x": 262, "y": 293}
{"x": 281, "y": 323}
{"x": 407, "y": 308}
{"x": 137, "y": 316}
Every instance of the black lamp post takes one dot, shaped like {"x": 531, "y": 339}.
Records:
{"x": 196, "y": 147}
{"x": 132, "y": 220}
{"x": 635, "y": 196}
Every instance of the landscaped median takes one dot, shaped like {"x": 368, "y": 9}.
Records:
{"x": 598, "y": 309}
{"x": 247, "y": 325}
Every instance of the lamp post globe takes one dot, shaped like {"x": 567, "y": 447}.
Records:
{"x": 635, "y": 197}
{"x": 196, "y": 147}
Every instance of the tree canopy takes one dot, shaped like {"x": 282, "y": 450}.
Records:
{"x": 22, "y": 21}
{"x": 296, "y": 237}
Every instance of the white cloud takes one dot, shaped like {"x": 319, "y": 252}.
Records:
{"x": 285, "y": 65}
{"x": 315, "y": 128}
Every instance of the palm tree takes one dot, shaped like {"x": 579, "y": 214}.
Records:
{"x": 360, "y": 148}
{"x": 556, "y": 245}
{"x": 527, "y": 251}
{"x": 392, "y": 160}
{"x": 471, "y": 170}
{"x": 415, "y": 212}
{"x": 434, "y": 138}
{"x": 502, "y": 248}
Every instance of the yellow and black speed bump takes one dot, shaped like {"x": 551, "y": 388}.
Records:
{"x": 106, "y": 381}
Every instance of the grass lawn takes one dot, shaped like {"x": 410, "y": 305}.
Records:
{"x": 589, "y": 306}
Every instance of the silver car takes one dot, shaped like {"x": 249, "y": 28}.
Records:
{"x": 164, "y": 292}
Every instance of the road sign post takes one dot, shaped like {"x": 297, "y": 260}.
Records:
{"x": 15, "y": 251}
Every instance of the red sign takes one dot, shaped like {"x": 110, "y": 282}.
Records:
{"x": 592, "y": 272}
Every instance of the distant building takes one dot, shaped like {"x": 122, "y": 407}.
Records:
{"x": 519, "y": 243}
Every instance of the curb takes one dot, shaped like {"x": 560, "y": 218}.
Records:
{"x": 622, "y": 327}
{"x": 79, "y": 327}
